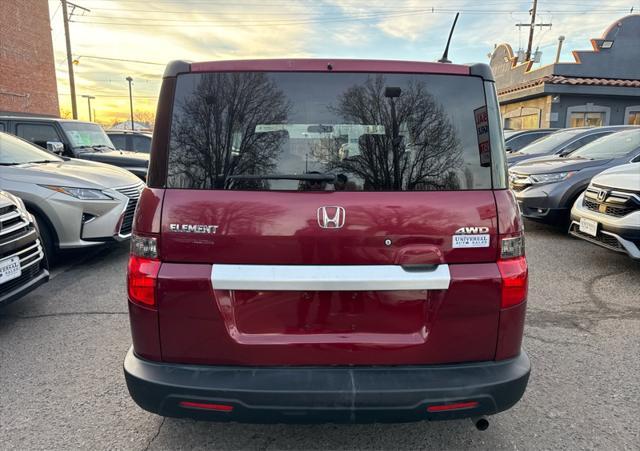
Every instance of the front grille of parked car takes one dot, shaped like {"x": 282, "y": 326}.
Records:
{"x": 616, "y": 203}
{"x": 607, "y": 240}
{"x": 31, "y": 256}
{"x": 12, "y": 224}
{"x": 133, "y": 193}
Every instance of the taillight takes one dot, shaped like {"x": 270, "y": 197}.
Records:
{"x": 514, "y": 274}
{"x": 512, "y": 247}
{"x": 513, "y": 269}
{"x": 143, "y": 270}
{"x": 141, "y": 280}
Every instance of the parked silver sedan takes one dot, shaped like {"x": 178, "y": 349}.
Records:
{"x": 76, "y": 203}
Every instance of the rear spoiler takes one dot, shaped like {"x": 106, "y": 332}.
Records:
{"x": 174, "y": 68}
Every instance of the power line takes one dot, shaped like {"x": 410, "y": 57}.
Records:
{"x": 161, "y": 22}
{"x": 120, "y": 59}
{"x": 107, "y": 96}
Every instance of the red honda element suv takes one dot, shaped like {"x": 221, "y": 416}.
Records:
{"x": 327, "y": 240}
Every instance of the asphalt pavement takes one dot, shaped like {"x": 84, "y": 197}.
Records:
{"x": 62, "y": 346}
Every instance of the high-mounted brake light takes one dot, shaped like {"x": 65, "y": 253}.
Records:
{"x": 514, "y": 274}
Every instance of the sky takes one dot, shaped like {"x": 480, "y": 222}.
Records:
{"x": 149, "y": 33}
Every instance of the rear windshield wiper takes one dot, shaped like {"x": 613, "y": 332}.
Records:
{"x": 313, "y": 177}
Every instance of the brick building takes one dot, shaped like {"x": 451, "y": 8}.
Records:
{"x": 27, "y": 68}
{"x": 601, "y": 87}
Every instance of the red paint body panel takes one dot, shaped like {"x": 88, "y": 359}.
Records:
{"x": 144, "y": 331}
{"x": 200, "y": 325}
{"x": 511, "y": 331}
{"x": 147, "y": 220}
{"x": 321, "y": 65}
{"x": 509, "y": 219}
{"x": 276, "y": 227}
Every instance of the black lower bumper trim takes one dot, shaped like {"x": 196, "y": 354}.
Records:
{"x": 326, "y": 394}
{"x": 22, "y": 290}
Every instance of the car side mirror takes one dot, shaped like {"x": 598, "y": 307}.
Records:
{"x": 55, "y": 147}
{"x": 508, "y": 149}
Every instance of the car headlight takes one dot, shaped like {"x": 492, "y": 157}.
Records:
{"x": 80, "y": 193}
{"x": 551, "y": 178}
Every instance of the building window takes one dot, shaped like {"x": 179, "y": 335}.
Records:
{"x": 522, "y": 122}
{"x": 584, "y": 119}
{"x": 589, "y": 115}
{"x": 633, "y": 118}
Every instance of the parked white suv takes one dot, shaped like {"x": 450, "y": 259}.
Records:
{"x": 76, "y": 203}
{"x": 608, "y": 212}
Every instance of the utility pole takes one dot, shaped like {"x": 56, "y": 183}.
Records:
{"x": 560, "y": 41}
{"x": 72, "y": 83}
{"x": 129, "y": 79}
{"x": 89, "y": 98}
{"x": 531, "y": 26}
{"x": 527, "y": 55}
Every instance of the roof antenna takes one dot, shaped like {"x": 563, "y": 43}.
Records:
{"x": 445, "y": 55}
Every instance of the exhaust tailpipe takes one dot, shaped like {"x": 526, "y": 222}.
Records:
{"x": 481, "y": 423}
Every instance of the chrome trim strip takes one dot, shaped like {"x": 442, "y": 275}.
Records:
{"x": 27, "y": 249}
{"x": 327, "y": 278}
{"x": 38, "y": 260}
{"x": 10, "y": 215}
{"x": 13, "y": 228}
{"x": 613, "y": 191}
{"x": 31, "y": 232}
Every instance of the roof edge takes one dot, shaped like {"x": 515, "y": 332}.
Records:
{"x": 176, "y": 67}
{"x": 481, "y": 70}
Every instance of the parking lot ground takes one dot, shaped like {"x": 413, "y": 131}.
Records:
{"x": 62, "y": 347}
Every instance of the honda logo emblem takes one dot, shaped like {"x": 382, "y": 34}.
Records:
{"x": 331, "y": 217}
{"x": 602, "y": 195}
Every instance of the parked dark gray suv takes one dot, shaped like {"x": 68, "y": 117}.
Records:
{"x": 547, "y": 187}
{"x": 75, "y": 139}
{"x": 562, "y": 142}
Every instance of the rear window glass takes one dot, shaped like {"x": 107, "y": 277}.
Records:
{"x": 329, "y": 131}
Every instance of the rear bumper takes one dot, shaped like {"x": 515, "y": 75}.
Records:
{"x": 326, "y": 394}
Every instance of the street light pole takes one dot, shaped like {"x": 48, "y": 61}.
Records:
{"x": 89, "y": 98}
{"x": 129, "y": 79}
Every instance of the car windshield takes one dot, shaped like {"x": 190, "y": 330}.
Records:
{"x": 549, "y": 143}
{"x": 15, "y": 151}
{"x": 329, "y": 131}
{"x": 85, "y": 135}
{"x": 611, "y": 146}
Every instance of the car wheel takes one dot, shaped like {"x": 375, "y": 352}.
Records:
{"x": 46, "y": 238}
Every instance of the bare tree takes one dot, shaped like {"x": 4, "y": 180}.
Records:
{"x": 419, "y": 149}
{"x": 146, "y": 117}
{"x": 213, "y": 134}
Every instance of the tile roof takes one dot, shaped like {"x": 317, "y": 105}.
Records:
{"x": 574, "y": 81}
